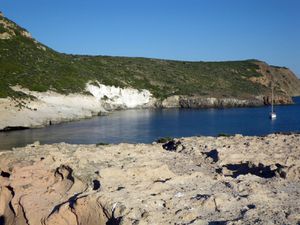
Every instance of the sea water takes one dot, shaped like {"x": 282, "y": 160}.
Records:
{"x": 147, "y": 125}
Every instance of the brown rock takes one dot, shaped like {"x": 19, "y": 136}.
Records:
{"x": 202, "y": 181}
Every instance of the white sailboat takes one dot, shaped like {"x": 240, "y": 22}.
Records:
{"x": 272, "y": 113}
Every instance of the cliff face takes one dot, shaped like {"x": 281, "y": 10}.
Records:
{"x": 283, "y": 79}
{"x": 47, "y": 108}
{"x": 210, "y": 102}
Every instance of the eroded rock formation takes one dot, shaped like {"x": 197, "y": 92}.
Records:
{"x": 197, "y": 180}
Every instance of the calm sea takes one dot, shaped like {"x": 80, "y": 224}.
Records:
{"x": 148, "y": 125}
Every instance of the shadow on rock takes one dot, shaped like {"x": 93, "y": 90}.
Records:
{"x": 260, "y": 170}
{"x": 213, "y": 154}
{"x": 2, "y": 220}
{"x": 171, "y": 145}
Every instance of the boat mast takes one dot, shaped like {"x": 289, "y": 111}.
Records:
{"x": 272, "y": 98}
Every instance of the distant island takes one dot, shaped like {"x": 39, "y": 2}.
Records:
{"x": 32, "y": 75}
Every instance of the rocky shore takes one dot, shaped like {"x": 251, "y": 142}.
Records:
{"x": 41, "y": 109}
{"x": 221, "y": 102}
{"x": 196, "y": 180}
{"x": 47, "y": 108}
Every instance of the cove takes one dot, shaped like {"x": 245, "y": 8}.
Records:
{"x": 147, "y": 125}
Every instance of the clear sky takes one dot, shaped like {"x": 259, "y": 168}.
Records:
{"x": 206, "y": 30}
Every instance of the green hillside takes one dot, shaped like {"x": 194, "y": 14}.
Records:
{"x": 30, "y": 64}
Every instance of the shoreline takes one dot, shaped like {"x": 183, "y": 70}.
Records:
{"x": 75, "y": 107}
{"x": 192, "y": 180}
{"x": 160, "y": 140}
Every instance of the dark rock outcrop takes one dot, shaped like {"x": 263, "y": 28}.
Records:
{"x": 212, "y": 102}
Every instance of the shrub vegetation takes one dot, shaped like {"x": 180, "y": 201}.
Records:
{"x": 23, "y": 61}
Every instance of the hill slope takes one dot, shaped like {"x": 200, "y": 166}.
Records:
{"x": 32, "y": 65}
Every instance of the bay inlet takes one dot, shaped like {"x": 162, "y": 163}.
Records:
{"x": 147, "y": 125}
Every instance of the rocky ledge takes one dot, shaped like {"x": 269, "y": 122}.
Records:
{"x": 197, "y": 180}
{"x": 181, "y": 101}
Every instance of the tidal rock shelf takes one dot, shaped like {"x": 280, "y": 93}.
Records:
{"x": 195, "y": 180}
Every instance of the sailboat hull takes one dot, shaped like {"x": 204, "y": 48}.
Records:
{"x": 273, "y": 116}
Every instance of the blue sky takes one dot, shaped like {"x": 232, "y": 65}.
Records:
{"x": 206, "y": 30}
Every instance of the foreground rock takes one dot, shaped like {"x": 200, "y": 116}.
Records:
{"x": 197, "y": 180}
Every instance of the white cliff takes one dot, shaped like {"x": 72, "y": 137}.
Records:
{"x": 50, "y": 107}
{"x": 120, "y": 97}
